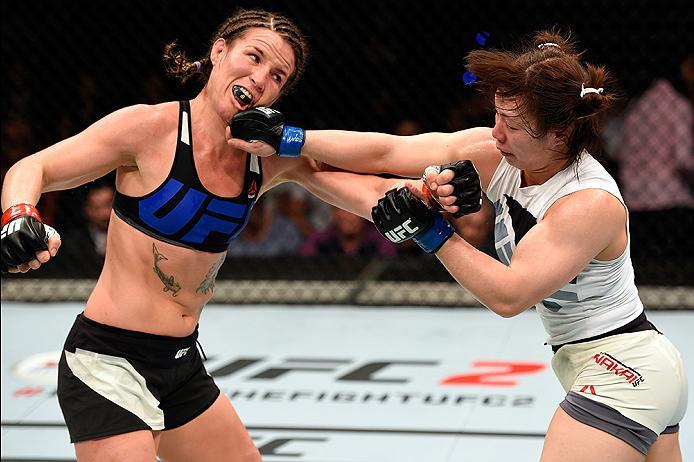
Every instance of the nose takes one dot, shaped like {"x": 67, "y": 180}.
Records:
{"x": 498, "y": 133}
{"x": 258, "y": 80}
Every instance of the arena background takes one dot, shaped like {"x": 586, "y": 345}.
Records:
{"x": 373, "y": 65}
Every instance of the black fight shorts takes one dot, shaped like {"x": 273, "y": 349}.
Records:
{"x": 113, "y": 381}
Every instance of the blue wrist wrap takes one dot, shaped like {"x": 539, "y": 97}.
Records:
{"x": 292, "y": 142}
{"x": 433, "y": 238}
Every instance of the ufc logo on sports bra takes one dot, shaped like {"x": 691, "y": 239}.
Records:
{"x": 196, "y": 214}
{"x": 402, "y": 231}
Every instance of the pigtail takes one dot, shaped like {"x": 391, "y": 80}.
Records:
{"x": 179, "y": 65}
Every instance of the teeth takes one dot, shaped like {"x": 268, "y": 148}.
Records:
{"x": 244, "y": 96}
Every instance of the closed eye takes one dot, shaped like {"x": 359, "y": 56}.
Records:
{"x": 505, "y": 120}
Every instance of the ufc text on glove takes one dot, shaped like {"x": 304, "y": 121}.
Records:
{"x": 400, "y": 216}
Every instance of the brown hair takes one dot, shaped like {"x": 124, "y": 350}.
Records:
{"x": 180, "y": 66}
{"x": 546, "y": 77}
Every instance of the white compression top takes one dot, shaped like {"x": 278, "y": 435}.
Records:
{"x": 603, "y": 296}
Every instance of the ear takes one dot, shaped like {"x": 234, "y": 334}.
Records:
{"x": 217, "y": 51}
{"x": 564, "y": 135}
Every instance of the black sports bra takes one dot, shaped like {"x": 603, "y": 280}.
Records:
{"x": 181, "y": 211}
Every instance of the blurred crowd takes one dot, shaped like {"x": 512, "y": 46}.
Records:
{"x": 648, "y": 146}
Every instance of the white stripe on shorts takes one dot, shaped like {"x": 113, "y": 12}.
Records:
{"x": 117, "y": 380}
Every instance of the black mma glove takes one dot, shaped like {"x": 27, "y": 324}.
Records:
{"x": 400, "y": 216}
{"x": 466, "y": 186}
{"x": 266, "y": 124}
{"x": 23, "y": 234}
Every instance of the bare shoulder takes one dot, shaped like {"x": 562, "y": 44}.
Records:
{"x": 143, "y": 120}
{"x": 590, "y": 212}
{"x": 133, "y": 130}
{"x": 588, "y": 202}
{"x": 590, "y": 219}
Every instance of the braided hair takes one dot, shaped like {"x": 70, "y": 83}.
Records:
{"x": 179, "y": 65}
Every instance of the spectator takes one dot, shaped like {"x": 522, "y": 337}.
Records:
{"x": 656, "y": 167}
{"x": 267, "y": 234}
{"x": 84, "y": 247}
{"x": 306, "y": 211}
{"x": 349, "y": 235}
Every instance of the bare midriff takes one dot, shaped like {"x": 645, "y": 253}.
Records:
{"x": 148, "y": 285}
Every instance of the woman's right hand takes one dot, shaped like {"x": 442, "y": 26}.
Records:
{"x": 455, "y": 187}
{"x": 26, "y": 242}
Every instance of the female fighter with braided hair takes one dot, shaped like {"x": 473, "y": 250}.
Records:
{"x": 131, "y": 381}
{"x": 562, "y": 238}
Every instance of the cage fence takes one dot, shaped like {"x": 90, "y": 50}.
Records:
{"x": 393, "y": 66}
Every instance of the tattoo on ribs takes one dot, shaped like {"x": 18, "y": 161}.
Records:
{"x": 170, "y": 284}
{"x": 208, "y": 283}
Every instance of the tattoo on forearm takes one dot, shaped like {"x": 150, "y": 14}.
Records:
{"x": 170, "y": 284}
{"x": 208, "y": 283}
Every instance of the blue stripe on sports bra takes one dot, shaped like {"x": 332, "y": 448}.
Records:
{"x": 177, "y": 218}
{"x": 230, "y": 209}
